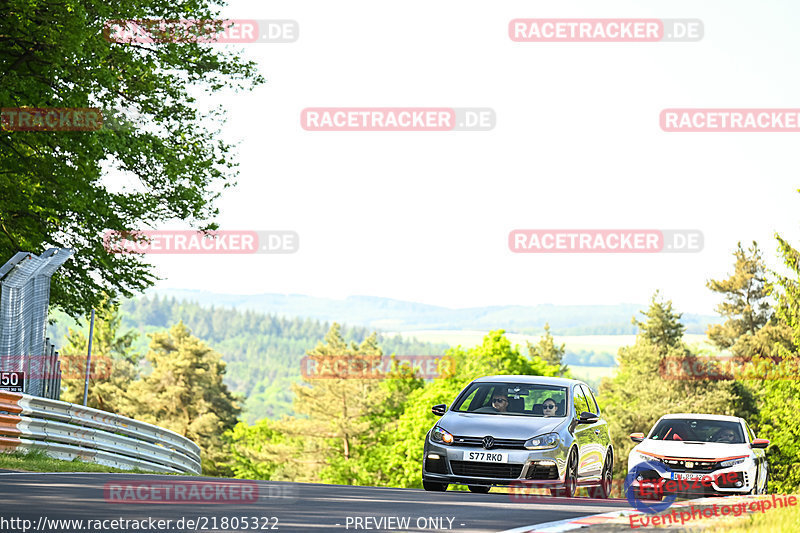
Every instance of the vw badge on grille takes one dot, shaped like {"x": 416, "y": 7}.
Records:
{"x": 488, "y": 442}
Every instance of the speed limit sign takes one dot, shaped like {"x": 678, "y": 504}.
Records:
{"x": 12, "y": 381}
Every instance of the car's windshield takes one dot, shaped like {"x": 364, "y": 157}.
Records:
{"x": 513, "y": 399}
{"x": 698, "y": 430}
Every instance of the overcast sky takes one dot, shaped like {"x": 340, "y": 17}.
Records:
{"x": 425, "y": 216}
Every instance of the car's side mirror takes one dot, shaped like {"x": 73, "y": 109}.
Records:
{"x": 439, "y": 410}
{"x": 637, "y": 437}
{"x": 588, "y": 418}
{"x": 759, "y": 443}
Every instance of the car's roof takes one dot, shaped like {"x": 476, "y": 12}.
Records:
{"x": 703, "y": 416}
{"x": 533, "y": 380}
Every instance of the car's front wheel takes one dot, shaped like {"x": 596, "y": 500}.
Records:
{"x": 603, "y": 491}
{"x": 480, "y": 489}
{"x": 434, "y": 486}
{"x": 570, "y": 477}
{"x": 763, "y": 489}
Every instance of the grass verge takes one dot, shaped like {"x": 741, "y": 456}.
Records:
{"x": 39, "y": 461}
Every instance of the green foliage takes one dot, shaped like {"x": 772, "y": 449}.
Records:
{"x": 250, "y": 448}
{"x": 746, "y": 292}
{"x": 663, "y": 328}
{"x": 54, "y": 188}
{"x": 638, "y": 395}
{"x": 39, "y": 461}
{"x": 781, "y": 398}
{"x": 547, "y": 350}
{"x": 184, "y": 392}
{"x": 342, "y": 420}
{"x": 115, "y": 364}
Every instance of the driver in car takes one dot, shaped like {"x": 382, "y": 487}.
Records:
{"x": 725, "y": 435}
{"x": 500, "y": 402}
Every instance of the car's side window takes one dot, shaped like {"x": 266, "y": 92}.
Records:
{"x": 579, "y": 401}
{"x": 591, "y": 399}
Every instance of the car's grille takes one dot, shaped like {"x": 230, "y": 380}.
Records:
{"x": 537, "y": 471}
{"x": 495, "y": 470}
{"x": 679, "y": 465}
{"x": 512, "y": 444}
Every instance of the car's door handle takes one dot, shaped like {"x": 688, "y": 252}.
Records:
{"x": 596, "y": 431}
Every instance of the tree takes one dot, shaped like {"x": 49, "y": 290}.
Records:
{"x": 640, "y": 393}
{"x": 53, "y": 185}
{"x": 663, "y": 327}
{"x": 115, "y": 364}
{"x": 185, "y": 393}
{"x": 345, "y": 425}
{"x": 781, "y": 394}
{"x": 746, "y": 298}
{"x": 547, "y": 350}
{"x": 338, "y": 408}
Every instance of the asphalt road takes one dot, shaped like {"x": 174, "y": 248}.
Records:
{"x": 236, "y": 505}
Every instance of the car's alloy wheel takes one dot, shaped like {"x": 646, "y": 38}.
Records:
{"x": 604, "y": 489}
{"x": 570, "y": 477}
{"x": 480, "y": 489}
{"x": 434, "y": 486}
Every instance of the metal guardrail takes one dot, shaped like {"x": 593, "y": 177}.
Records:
{"x": 68, "y": 431}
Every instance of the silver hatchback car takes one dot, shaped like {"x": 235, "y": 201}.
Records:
{"x": 520, "y": 430}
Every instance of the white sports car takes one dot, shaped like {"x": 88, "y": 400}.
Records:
{"x": 698, "y": 455}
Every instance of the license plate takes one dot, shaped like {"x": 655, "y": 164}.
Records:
{"x": 486, "y": 457}
{"x": 688, "y": 477}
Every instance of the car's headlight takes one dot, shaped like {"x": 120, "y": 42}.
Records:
{"x": 441, "y": 436}
{"x": 731, "y": 462}
{"x": 646, "y": 458}
{"x": 543, "y": 442}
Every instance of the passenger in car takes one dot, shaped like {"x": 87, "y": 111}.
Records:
{"x": 549, "y": 407}
{"x": 725, "y": 435}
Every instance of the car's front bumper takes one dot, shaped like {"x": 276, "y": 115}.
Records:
{"x": 446, "y": 464}
{"x": 739, "y": 479}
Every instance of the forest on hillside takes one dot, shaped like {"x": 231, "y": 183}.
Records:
{"x": 262, "y": 351}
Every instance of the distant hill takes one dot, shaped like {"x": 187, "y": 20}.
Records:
{"x": 396, "y": 315}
